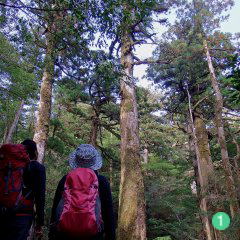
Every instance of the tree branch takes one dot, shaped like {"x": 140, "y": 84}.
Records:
{"x": 32, "y": 8}
{"x": 220, "y": 49}
{"x": 201, "y": 100}
{"x": 111, "y": 131}
{"x": 111, "y": 48}
{"x": 65, "y": 72}
{"x": 149, "y": 61}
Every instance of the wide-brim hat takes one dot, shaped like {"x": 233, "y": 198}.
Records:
{"x": 85, "y": 156}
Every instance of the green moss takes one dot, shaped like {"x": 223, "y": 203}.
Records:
{"x": 128, "y": 107}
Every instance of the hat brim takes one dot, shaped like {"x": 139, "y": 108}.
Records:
{"x": 73, "y": 164}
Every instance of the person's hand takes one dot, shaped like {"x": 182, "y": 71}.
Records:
{"x": 38, "y": 232}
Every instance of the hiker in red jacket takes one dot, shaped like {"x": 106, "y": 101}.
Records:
{"x": 24, "y": 184}
{"x": 82, "y": 207}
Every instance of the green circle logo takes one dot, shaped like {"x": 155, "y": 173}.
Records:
{"x": 221, "y": 220}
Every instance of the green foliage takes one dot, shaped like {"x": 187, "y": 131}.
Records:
{"x": 231, "y": 82}
{"x": 17, "y": 82}
{"x": 56, "y": 144}
{"x": 17, "y": 78}
{"x": 164, "y": 167}
{"x": 171, "y": 207}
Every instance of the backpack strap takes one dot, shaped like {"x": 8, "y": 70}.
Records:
{"x": 7, "y": 178}
{"x": 20, "y": 198}
{"x": 19, "y": 202}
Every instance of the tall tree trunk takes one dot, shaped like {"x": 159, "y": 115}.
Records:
{"x": 206, "y": 173}
{"x": 236, "y": 161}
{"x": 31, "y": 120}
{"x": 44, "y": 109}
{"x": 111, "y": 174}
{"x": 144, "y": 155}
{"x": 111, "y": 178}
{"x": 5, "y": 134}
{"x": 14, "y": 124}
{"x": 205, "y": 167}
{"x": 94, "y": 129}
{"x": 206, "y": 164}
{"x": 234, "y": 206}
{"x": 194, "y": 160}
{"x": 131, "y": 216}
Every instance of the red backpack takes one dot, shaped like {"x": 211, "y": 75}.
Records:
{"x": 81, "y": 207}
{"x": 13, "y": 160}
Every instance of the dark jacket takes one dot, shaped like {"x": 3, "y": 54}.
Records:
{"x": 35, "y": 186}
{"x": 106, "y": 205}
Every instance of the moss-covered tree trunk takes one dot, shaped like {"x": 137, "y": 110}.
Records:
{"x": 131, "y": 216}
{"x": 44, "y": 108}
{"x": 194, "y": 160}
{"x": 9, "y": 135}
{"x": 237, "y": 162}
{"x": 204, "y": 166}
{"x": 234, "y": 206}
{"x": 236, "y": 165}
{"x": 205, "y": 171}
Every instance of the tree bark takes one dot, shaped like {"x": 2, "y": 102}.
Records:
{"x": 207, "y": 175}
{"x": 94, "y": 129}
{"x": 193, "y": 159}
{"x": 131, "y": 216}
{"x": 236, "y": 161}
{"x": 144, "y": 155}
{"x": 111, "y": 178}
{"x": 204, "y": 167}
{"x": 44, "y": 109}
{"x": 234, "y": 206}
{"x": 5, "y": 134}
{"x": 205, "y": 162}
{"x": 31, "y": 120}
{"x": 111, "y": 173}
{"x": 14, "y": 124}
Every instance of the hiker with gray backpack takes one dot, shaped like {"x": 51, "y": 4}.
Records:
{"x": 82, "y": 207}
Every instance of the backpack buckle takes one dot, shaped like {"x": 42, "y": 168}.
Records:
{"x": 3, "y": 210}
